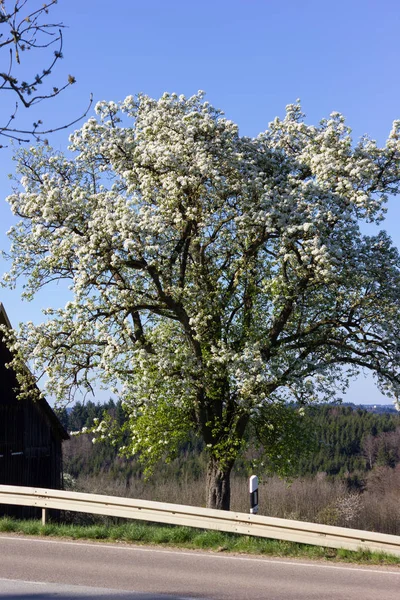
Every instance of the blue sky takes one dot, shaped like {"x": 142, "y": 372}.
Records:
{"x": 252, "y": 57}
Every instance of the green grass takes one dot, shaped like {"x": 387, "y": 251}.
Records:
{"x": 186, "y": 537}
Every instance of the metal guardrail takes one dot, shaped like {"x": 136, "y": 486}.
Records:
{"x": 203, "y": 518}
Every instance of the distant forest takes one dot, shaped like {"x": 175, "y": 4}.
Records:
{"x": 348, "y": 442}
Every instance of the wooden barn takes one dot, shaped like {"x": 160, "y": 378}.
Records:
{"x": 31, "y": 435}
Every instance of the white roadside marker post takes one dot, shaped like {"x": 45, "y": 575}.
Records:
{"x": 253, "y": 489}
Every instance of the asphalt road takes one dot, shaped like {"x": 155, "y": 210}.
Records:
{"x": 39, "y": 569}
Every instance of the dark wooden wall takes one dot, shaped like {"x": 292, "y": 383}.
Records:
{"x": 30, "y": 439}
{"x": 30, "y": 453}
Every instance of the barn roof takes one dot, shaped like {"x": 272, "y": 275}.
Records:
{"x": 42, "y": 404}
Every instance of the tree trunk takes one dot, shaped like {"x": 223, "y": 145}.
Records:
{"x": 218, "y": 485}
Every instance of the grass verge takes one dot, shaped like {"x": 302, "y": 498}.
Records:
{"x": 140, "y": 532}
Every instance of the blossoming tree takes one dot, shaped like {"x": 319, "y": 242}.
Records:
{"x": 214, "y": 277}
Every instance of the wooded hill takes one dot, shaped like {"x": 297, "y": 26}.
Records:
{"x": 345, "y": 442}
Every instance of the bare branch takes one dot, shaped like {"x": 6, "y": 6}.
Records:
{"x": 22, "y": 30}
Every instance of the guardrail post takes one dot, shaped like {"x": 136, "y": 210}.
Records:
{"x": 44, "y": 516}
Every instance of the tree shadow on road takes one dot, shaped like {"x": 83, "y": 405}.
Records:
{"x": 106, "y": 594}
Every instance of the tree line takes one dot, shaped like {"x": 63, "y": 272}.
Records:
{"x": 342, "y": 441}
